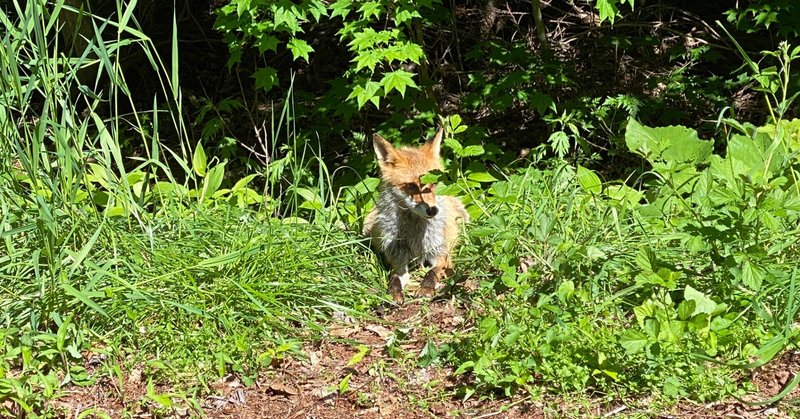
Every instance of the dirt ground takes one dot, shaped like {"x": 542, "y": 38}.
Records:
{"x": 380, "y": 386}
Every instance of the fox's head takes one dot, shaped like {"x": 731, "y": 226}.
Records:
{"x": 401, "y": 169}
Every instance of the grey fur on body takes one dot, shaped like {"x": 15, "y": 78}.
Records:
{"x": 406, "y": 238}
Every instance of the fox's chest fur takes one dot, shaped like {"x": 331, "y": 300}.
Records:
{"x": 406, "y": 237}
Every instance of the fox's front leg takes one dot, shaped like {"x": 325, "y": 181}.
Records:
{"x": 399, "y": 258}
{"x": 442, "y": 267}
{"x": 397, "y": 280}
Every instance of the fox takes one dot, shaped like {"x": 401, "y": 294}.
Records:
{"x": 410, "y": 225}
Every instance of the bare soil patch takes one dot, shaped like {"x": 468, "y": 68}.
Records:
{"x": 380, "y": 385}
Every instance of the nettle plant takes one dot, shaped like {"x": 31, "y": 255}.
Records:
{"x": 383, "y": 36}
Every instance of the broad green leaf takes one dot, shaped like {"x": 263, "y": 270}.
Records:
{"x": 367, "y": 185}
{"x": 542, "y": 102}
{"x": 317, "y": 9}
{"x": 589, "y": 181}
{"x": 472, "y": 150}
{"x": 404, "y": 15}
{"x": 369, "y": 59}
{"x": 430, "y": 178}
{"x": 673, "y": 144}
{"x": 399, "y": 80}
{"x": 213, "y": 181}
{"x": 454, "y": 145}
{"x": 242, "y": 6}
{"x": 371, "y": 8}
{"x": 243, "y": 182}
{"x": 672, "y": 387}
{"x": 752, "y": 275}
{"x": 464, "y": 367}
{"x": 266, "y": 78}
{"x": 312, "y": 201}
{"x": 482, "y": 177}
{"x": 299, "y": 48}
{"x": 199, "y": 160}
{"x": 703, "y": 304}
{"x": 340, "y": 8}
{"x": 633, "y": 341}
{"x": 624, "y": 194}
{"x": 686, "y": 309}
{"x": 455, "y": 121}
{"x": 366, "y": 92}
{"x": 267, "y": 43}
{"x": 607, "y": 9}
{"x": 566, "y": 290}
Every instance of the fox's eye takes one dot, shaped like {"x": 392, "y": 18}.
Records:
{"x": 412, "y": 187}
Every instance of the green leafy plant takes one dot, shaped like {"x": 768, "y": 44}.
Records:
{"x": 381, "y": 36}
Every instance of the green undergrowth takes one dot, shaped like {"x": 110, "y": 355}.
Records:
{"x": 195, "y": 298}
{"x": 675, "y": 289}
{"x": 671, "y": 284}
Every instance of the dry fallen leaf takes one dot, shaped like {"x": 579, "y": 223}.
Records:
{"x": 277, "y": 387}
{"x": 342, "y": 331}
{"x": 381, "y": 331}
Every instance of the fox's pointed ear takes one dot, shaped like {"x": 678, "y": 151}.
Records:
{"x": 433, "y": 145}
{"x": 383, "y": 149}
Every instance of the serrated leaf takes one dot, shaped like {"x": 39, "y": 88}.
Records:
{"x": 371, "y": 8}
{"x": 398, "y": 80}
{"x": 340, "y": 8}
{"x": 266, "y": 78}
{"x": 267, "y": 43}
{"x": 318, "y": 9}
{"x": 633, "y": 341}
{"x": 752, "y": 275}
{"x": 299, "y": 48}
{"x": 607, "y": 10}
{"x": 559, "y": 141}
{"x": 454, "y": 145}
{"x": 646, "y": 259}
{"x": 672, "y": 144}
{"x": 405, "y": 15}
{"x": 472, "y": 150}
{"x": 430, "y": 178}
{"x": 369, "y": 59}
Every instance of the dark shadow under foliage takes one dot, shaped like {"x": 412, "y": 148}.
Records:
{"x": 663, "y": 63}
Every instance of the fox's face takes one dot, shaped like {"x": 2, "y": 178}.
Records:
{"x": 401, "y": 169}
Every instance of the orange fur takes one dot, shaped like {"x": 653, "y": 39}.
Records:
{"x": 409, "y": 223}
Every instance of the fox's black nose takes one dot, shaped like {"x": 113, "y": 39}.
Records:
{"x": 432, "y": 211}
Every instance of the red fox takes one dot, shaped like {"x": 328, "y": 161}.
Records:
{"x": 410, "y": 225}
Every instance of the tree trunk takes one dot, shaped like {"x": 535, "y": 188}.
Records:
{"x": 541, "y": 31}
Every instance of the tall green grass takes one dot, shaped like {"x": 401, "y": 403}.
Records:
{"x": 102, "y": 252}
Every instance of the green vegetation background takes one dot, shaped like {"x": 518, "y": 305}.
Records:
{"x": 183, "y": 187}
